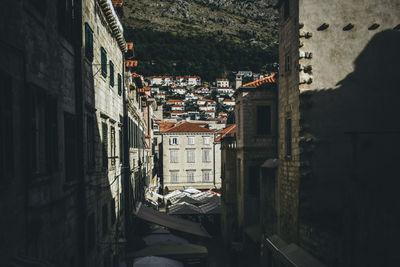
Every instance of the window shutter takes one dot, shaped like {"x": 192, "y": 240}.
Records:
{"x": 111, "y": 73}
{"x": 119, "y": 84}
{"x": 103, "y": 62}
{"x": 105, "y": 144}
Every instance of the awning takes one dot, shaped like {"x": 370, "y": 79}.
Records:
{"x": 171, "y": 222}
{"x": 171, "y": 250}
{"x": 292, "y": 254}
{"x": 254, "y": 232}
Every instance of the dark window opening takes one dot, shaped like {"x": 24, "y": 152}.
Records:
{"x": 6, "y": 131}
{"x": 288, "y": 137}
{"x": 103, "y": 62}
{"x": 88, "y": 42}
{"x": 105, "y": 219}
{"x": 121, "y": 148}
{"x": 254, "y": 180}
{"x": 65, "y": 18}
{"x": 287, "y": 63}
{"x": 119, "y": 84}
{"x": 70, "y": 143}
{"x": 111, "y": 73}
{"x": 91, "y": 232}
{"x": 90, "y": 142}
{"x": 286, "y": 9}
{"x": 45, "y": 136}
{"x": 112, "y": 211}
{"x": 263, "y": 120}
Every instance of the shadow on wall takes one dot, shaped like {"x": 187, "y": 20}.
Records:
{"x": 350, "y": 180}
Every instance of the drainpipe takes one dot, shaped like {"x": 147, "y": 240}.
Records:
{"x": 79, "y": 115}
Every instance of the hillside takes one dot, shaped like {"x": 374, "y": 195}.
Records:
{"x": 201, "y": 30}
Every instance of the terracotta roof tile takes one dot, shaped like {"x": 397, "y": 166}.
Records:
{"x": 131, "y": 63}
{"x": 187, "y": 127}
{"x": 261, "y": 82}
{"x": 231, "y": 129}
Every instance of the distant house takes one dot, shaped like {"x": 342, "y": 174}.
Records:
{"x": 193, "y": 80}
{"x": 228, "y": 102}
{"x": 178, "y": 107}
{"x": 245, "y": 73}
{"x": 190, "y": 157}
{"x": 222, "y": 82}
{"x": 175, "y": 102}
{"x": 178, "y": 114}
{"x": 178, "y": 90}
{"x": 222, "y": 114}
{"x": 161, "y": 80}
{"x": 225, "y": 91}
{"x": 202, "y": 91}
{"x": 181, "y": 81}
{"x": 209, "y": 113}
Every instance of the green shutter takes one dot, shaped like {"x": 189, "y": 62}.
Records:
{"x": 111, "y": 73}
{"x": 104, "y": 128}
{"x": 103, "y": 62}
{"x": 119, "y": 84}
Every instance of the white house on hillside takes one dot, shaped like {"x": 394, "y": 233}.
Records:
{"x": 190, "y": 158}
{"x": 222, "y": 82}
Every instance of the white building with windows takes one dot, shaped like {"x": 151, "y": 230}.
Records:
{"x": 190, "y": 158}
{"x": 222, "y": 82}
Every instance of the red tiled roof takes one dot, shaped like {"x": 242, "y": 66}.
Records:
{"x": 174, "y": 100}
{"x": 222, "y": 79}
{"x": 231, "y": 129}
{"x": 261, "y": 82}
{"x": 134, "y": 75}
{"x": 117, "y": 3}
{"x": 228, "y": 100}
{"x": 188, "y": 127}
{"x": 176, "y": 112}
{"x": 177, "y": 106}
{"x": 165, "y": 125}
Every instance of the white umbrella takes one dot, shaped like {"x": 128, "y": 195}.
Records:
{"x": 152, "y": 261}
{"x": 191, "y": 190}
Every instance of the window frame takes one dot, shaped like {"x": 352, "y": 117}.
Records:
{"x": 190, "y": 175}
{"x": 263, "y": 118}
{"x": 206, "y": 155}
{"x": 204, "y": 140}
{"x": 174, "y": 176}
{"x": 173, "y": 156}
{"x": 189, "y": 140}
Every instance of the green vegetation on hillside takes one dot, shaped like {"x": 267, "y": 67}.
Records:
{"x": 164, "y": 53}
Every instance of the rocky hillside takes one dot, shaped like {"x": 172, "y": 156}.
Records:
{"x": 238, "y": 20}
{"x": 210, "y": 38}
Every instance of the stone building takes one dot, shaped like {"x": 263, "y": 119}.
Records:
{"x": 256, "y": 139}
{"x": 66, "y": 179}
{"x": 40, "y": 160}
{"x": 103, "y": 85}
{"x": 338, "y": 141}
{"x": 228, "y": 184}
{"x": 189, "y": 157}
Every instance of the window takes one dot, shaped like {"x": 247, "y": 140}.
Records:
{"x": 173, "y": 140}
{"x": 104, "y": 143}
{"x": 191, "y": 140}
{"x": 254, "y": 180}
{"x": 6, "y": 131}
{"x": 119, "y": 84}
{"x": 88, "y": 42}
{"x": 45, "y": 133}
{"x": 91, "y": 230}
{"x": 90, "y": 141}
{"x": 121, "y": 147}
{"x": 206, "y": 176}
{"x": 112, "y": 133}
{"x": 288, "y": 137}
{"x": 111, "y": 73}
{"x": 174, "y": 156}
{"x": 286, "y": 9}
{"x": 287, "y": 63}
{"x": 105, "y": 218}
{"x": 174, "y": 176}
{"x": 263, "y": 120}
{"x": 190, "y": 155}
{"x": 112, "y": 211}
{"x": 206, "y": 140}
{"x": 64, "y": 17}
{"x": 103, "y": 62}
{"x": 206, "y": 155}
{"x": 190, "y": 176}
{"x": 70, "y": 141}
